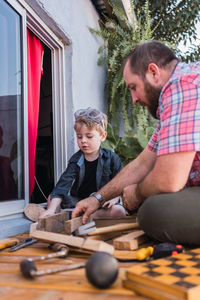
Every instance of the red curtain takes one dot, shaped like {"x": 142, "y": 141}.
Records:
{"x": 34, "y": 67}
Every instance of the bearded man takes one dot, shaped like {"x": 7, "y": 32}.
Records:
{"x": 163, "y": 182}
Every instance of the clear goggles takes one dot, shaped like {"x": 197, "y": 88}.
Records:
{"x": 92, "y": 114}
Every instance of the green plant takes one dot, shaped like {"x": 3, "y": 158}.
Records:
{"x": 177, "y": 23}
{"x": 132, "y": 125}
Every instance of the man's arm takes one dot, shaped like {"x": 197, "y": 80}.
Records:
{"x": 134, "y": 172}
{"x": 169, "y": 175}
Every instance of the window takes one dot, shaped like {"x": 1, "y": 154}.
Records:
{"x": 15, "y": 17}
{"x": 11, "y": 105}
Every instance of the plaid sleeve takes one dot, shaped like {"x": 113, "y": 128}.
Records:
{"x": 153, "y": 143}
{"x": 180, "y": 116}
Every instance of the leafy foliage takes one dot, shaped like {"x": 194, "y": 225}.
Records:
{"x": 176, "y": 22}
{"x": 171, "y": 21}
{"x": 132, "y": 126}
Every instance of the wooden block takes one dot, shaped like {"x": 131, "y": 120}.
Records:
{"x": 110, "y": 222}
{"x": 33, "y": 227}
{"x": 53, "y": 223}
{"x": 78, "y": 242}
{"x": 114, "y": 228}
{"x": 71, "y": 225}
{"x": 176, "y": 277}
{"x": 106, "y": 236}
{"x": 130, "y": 241}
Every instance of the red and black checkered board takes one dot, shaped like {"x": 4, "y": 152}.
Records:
{"x": 174, "y": 277}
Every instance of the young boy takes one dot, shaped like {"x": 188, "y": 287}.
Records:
{"x": 88, "y": 169}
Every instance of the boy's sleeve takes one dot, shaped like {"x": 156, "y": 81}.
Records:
{"x": 64, "y": 184}
{"x": 116, "y": 164}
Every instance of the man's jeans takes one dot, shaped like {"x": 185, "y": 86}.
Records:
{"x": 173, "y": 217}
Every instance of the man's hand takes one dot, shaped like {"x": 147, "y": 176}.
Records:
{"x": 86, "y": 207}
{"x": 129, "y": 199}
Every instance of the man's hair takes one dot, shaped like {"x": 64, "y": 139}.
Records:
{"x": 149, "y": 52}
{"x": 91, "y": 124}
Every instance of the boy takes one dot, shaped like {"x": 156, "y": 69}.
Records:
{"x": 88, "y": 169}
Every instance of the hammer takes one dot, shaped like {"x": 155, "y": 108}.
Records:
{"x": 60, "y": 250}
{"x": 101, "y": 269}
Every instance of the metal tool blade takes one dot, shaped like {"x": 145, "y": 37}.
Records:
{"x": 27, "y": 242}
{"x": 85, "y": 229}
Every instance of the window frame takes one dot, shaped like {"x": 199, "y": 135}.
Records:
{"x": 14, "y": 208}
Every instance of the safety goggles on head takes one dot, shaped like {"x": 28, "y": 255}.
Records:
{"x": 93, "y": 114}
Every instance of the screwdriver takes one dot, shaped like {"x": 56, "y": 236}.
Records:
{"x": 159, "y": 251}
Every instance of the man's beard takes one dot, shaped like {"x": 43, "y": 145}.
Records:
{"x": 152, "y": 95}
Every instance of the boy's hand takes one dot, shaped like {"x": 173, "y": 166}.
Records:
{"x": 86, "y": 207}
{"x": 46, "y": 213}
{"x": 110, "y": 203}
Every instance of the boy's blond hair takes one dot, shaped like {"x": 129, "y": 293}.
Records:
{"x": 91, "y": 124}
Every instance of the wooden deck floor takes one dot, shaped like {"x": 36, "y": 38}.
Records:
{"x": 66, "y": 285}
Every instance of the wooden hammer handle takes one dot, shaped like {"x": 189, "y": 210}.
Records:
{"x": 117, "y": 227}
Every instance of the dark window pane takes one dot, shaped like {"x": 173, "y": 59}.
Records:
{"x": 11, "y": 108}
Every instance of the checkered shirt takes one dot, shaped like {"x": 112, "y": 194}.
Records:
{"x": 178, "y": 129}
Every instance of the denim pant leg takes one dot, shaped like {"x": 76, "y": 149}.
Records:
{"x": 172, "y": 217}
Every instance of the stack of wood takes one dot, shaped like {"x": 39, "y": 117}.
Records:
{"x": 109, "y": 234}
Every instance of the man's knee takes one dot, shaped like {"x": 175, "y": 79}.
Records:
{"x": 150, "y": 216}
{"x": 172, "y": 217}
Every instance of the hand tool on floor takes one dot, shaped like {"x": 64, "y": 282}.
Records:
{"x": 159, "y": 251}
{"x": 101, "y": 269}
{"x": 114, "y": 228}
{"x": 5, "y": 243}
{"x": 60, "y": 250}
{"x": 24, "y": 244}
{"x": 154, "y": 252}
{"x": 85, "y": 229}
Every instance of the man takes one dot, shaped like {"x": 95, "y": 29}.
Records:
{"x": 163, "y": 181}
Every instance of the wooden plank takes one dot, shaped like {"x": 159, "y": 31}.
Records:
{"x": 33, "y": 227}
{"x": 130, "y": 241}
{"x": 110, "y": 222}
{"x": 53, "y": 223}
{"x": 114, "y": 228}
{"x": 71, "y": 225}
{"x": 7, "y": 293}
{"x": 79, "y": 242}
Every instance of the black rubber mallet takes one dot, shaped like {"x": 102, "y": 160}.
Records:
{"x": 101, "y": 269}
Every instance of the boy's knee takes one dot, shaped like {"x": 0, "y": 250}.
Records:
{"x": 118, "y": 211}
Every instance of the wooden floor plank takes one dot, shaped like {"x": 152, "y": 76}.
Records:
{"x": 66, "y": 285}
{"x": 7, "y": 293}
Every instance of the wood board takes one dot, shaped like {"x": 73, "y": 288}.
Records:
{"x": 175, "y": 277}
{"x": 110, "y": 222}
{"x": 53, "y": 223}
{"x": 73, "y": 224}
{"x": 130, "y": 241}
{"x": 78, "y": 242}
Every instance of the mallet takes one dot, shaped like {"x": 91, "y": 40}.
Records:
{"x": 60, "y": 250}
{"x": 101, "y": 269}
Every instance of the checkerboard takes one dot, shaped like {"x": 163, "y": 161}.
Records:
{"x": 174, "y": 277}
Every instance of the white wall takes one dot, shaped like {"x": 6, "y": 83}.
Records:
{"x": 84, "y": 78}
